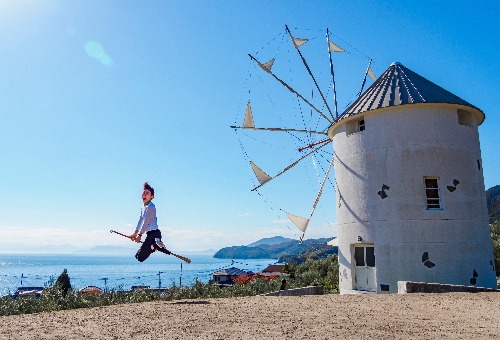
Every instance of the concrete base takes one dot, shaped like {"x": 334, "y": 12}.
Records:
{"x": 405, "y": 287}
{"x": 311, "y": 290}
{"x": 355, "y": 292}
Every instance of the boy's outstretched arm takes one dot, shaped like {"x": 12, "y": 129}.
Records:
{"x": 135, "y": 236}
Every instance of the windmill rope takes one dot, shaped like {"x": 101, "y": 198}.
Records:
{"x": 266, "y": 45}
{"x": 354, "y": 48}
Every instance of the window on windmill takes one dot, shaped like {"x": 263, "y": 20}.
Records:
{"x": 465, "y": 118}
{"x": 361, "y": 125}
{"x": 354, "y": 126}
{"x": 432, "y": 193}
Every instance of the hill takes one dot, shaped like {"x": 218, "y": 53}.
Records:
{"x": 493, "y": 202}
{"x": 270, "y": 251}
{"x": 315, "y": 252}
{"x": 270, "y": 241}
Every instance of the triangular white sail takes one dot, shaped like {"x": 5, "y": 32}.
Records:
{"x": 248, "y": 122}
{"x": 267, "y": 66}
{"x": 300, "y": 222}
{"x": 371, "y": 74}
{"x": 262, "y": 177}
{"x": 299, "y": 42}
{"x": 334, "y": 48}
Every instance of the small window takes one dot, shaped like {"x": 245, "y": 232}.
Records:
{"x": 432, "y": 193}
{"x": 361, "y": 125}
{"x": 354, "y": 126}
{"x": 465, "y": 118}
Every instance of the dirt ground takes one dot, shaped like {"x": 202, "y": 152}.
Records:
{"x": 410, "y": 316}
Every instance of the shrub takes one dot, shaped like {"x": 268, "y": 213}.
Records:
{"x": 63, "y": 282}
{"x": 495, "y": 238}
{"x": 323, "y": 271}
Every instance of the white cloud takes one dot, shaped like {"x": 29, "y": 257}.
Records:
{"x": 175, "y": 239}
{"x": 280, "y": 221}
{"x": 245, "y": 214}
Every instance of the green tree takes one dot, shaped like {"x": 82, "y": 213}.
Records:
{"x": 63, "y": 282}
{"x": 495, "y": 238}
{"x": 324, "y": 272}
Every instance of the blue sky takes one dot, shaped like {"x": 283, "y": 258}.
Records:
{"x": 97, "y": 97}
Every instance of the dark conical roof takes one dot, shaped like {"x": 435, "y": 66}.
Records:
{"x": 398, "y": 86}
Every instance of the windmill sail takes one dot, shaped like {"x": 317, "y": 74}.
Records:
{"x": 262, "y": 177}
{"x": 371, "y": 74}
{"x": 248, "y": 122}
{"x": 267, "y": 66}
{"x": 334, "y": 48}
{"x": 299, "y": 42}
{"x": 300, "y": 222}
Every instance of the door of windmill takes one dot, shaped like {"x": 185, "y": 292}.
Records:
{"x": 365, "y": 272}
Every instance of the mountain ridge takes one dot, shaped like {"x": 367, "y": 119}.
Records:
{"x": 275, "y": 251}
{"x": 270, "y": 241}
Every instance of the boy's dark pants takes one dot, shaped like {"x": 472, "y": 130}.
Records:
{"x": 145, "y": 250}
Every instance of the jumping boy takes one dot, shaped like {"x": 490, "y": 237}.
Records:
{"x": 148, "y": 224}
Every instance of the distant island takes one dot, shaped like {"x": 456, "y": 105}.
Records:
{"x": 270, "y": 241}
{"x": 286, "y": 251}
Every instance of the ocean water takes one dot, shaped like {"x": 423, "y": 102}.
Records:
{"x": 119, "y": 270}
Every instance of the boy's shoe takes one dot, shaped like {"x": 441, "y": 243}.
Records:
{"x": 159, "y": 243}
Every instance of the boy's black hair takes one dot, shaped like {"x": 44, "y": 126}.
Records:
{"x": 148, "y": 187}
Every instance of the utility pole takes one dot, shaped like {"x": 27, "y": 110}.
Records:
{"x": 159, "y": 283}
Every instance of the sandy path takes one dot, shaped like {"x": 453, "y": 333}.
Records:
{"x": 415, "y": 316}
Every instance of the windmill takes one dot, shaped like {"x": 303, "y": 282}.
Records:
{"x": 408, "y": 178}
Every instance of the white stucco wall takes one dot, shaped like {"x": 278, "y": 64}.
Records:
{"x": 399, "y": 147}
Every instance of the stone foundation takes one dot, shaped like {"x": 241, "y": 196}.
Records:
{"x": 405, "y": 287}
{"x": 310, "y": 290}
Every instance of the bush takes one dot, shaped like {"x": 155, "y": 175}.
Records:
{"x": 63, "y": 282}
{"x": 495, "y": 238}
{"x": 324, "y": 272}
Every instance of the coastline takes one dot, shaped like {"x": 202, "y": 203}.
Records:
{"x": 118, "y": 269}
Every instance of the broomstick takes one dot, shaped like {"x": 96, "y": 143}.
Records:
{"x": 178, "y": 256}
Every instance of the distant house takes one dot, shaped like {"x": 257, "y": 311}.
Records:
{"x": 226, "y": 276}
{"x": 25, "y": 291}
{"x": 90, "y": 290}
{"x": 274, "y": 269}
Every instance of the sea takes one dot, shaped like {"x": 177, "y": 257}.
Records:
{"x": 113, "y": 271}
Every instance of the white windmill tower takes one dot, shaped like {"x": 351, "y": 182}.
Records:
{"x": 410, "y": 190}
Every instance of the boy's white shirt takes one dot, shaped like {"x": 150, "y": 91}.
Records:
{"x": 147, "y": 221}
